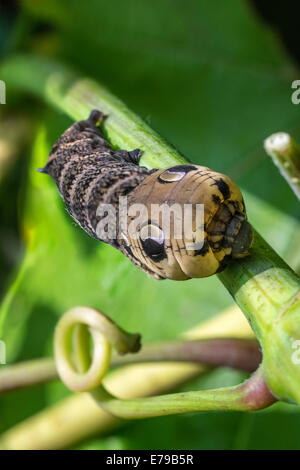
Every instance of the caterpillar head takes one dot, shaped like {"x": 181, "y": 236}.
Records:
{"x": 191, "y": 222}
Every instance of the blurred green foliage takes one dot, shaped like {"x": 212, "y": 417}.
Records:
{"x": 215, "y": 82}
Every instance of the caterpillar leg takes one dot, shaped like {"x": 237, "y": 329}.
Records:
{"x": 90, "y": 126}
{"x": 129, "y": 157}
{"x": 135, "y": 155}
{"x": 94, "y": 118}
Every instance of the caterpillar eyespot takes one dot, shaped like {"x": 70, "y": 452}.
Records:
{"x": 91, "y": 175}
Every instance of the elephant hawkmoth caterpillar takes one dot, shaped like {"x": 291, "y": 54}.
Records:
{"x": 88, "y": 173}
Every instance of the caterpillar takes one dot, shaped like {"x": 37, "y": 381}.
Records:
{"x": 90, "y": 174}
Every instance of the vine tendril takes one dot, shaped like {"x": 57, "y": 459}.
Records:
{"x": 84, "y": 371}
{"x": 81, "y": 372}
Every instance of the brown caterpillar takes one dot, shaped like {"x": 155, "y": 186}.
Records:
{"x": 88, "y": 173}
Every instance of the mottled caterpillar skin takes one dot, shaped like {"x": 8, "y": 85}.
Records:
{"x": 88, "y": 172}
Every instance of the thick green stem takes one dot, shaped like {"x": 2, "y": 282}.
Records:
{"x": 252, "y": 395}
{"x": 268, "y": 292}
{"x": 266, "y": 289}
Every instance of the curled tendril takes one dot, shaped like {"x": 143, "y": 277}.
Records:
{"x": 84, "y": 371}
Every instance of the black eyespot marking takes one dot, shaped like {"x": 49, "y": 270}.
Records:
{"x": 154, "y": 249}
{"x": 152, "y": 239}
{"x": 223, "y": 188}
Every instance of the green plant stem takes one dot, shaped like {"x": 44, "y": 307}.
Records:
{"x": 240, "y": 354}
{"x": 252, "y": 395}
{"x": 266, "y": 289}
{"x": 26, "y": 374}
{"x": 268, "y": 292}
